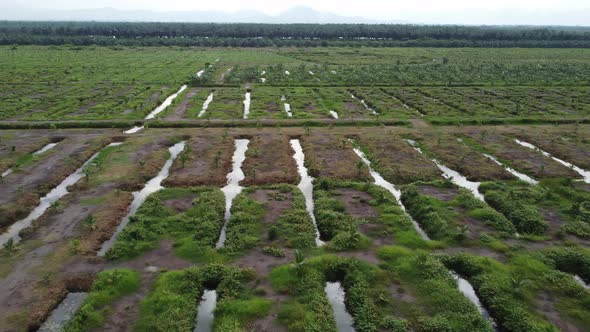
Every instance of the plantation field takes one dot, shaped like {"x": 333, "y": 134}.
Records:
{"x": 521, "y": 244}
{"x": 74, "y": 83}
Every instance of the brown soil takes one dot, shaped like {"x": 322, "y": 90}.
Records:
{"x": 186, "y": 104}
{"x": 356, "y": 202}
{"x": 326, "y": 156}
{"x": 443, "y": 194}
{"x": 524, "y": 159}
{"x": 275, "y": 203}
{"x": 201, "y": 168}
{"x": 396, "y": 160}
{"x": 269, "y": 160}
{"x": 180, "y": 204}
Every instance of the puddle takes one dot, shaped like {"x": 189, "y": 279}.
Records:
{"x": 362, "y": 101}
{"x": 200, "y": 73}
{"x": 134, "y": 130}
{"x": 53, "y": 196}
{"x": 381, "y": 182}
{"x": 139, "y": 197}
{"x": 306, "y": 186}
{"x": 263, "y": 80}
{"x": 287, "y": 72}
{"x": 467, "y": 290}
{"x": 233, "y": 188}
{"x": 581, "y": 282}
{"x": 206, "y": 104}
{"x": 585, "y": 174}
{"x": 36, "y": 153}
{"x": 452, "y": 175}
{"x": 247, "y": 101}
{"x": 335, "y": 294}
{"x": 514, "y": 172}
{"x": 165, "y": 104}
{"x": 334, "y": 114}
{"x": 311, "y": 73}
{"x": 63, "y": 313}
{"x": 205, "y": 311}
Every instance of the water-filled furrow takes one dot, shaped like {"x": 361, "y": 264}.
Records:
{"x": 247, "y": 101}
{"x": 336, "y": 295}
{"x": 139, "y": 197}
{"x": 134, "y": 130}
{"x": 200, "y": 73}
{"x": 233, "y": 188}
{"x": 467, "y": 289}
{"x": 452, "y": 175}
{"x": 287, "y": 106}
{"x": 585, "y": 174}
{"x": 334, "y": 114}
{"x": 381, "y": 182}
{"x": 53, "y": 196}
{"x": 362, "y": 101}
{"x": 36, "y": 153}
{"x": 205, "y": 312}
{"x": 208, "y": 101}
{"x": 306, "y": 186}
{"x": 165, "y": 104}
{"x": 63, "y": 313}
{"x": 512, "y": 171}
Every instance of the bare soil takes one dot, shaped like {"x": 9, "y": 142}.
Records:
{"x": 269, "y": 159}
{"x": 275, "y": 203}
{"x": 187, "y": 103}
{"x": 356, "y": 202}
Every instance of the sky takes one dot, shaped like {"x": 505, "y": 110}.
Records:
{"x": 569, "y": 12}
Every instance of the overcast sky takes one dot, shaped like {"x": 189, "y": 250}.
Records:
{"x": 570, "y": 12}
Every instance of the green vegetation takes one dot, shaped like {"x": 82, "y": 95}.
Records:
{"x": 172, "y": 305}
{"x": 109, "y": 286}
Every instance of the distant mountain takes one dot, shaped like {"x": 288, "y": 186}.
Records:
{"x": 293, "y": 15}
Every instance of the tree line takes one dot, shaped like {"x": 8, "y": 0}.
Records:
{"x": 310, "y": 35}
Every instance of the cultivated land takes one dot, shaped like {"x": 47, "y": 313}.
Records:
{"x": 416, "y": 114}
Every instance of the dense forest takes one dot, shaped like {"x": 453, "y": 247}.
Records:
{"x": 264, "y": 35}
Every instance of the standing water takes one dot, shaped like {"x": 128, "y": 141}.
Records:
{"x": 581, "y": 282}
{"x": 334, "y": 114}
{"x": 165, "y": 104}
{"x": 467, "y": 290}
{"x": 362, "y": 101}
{"x": 381, "y": 182}
{"x": 200, "y": 73}
{"x": 247, "y": 101}
{"x": 53, "y": 196}
{"x": 63, "y": 313}
{"x": 206, "y": 104}
{"x": 233, "y": 188}
{"x": 306, "y": 186}
{"x": 512, "y": 171}
{"x": 335, "y": 295}
{"x": 585, "y": 174}
{"x": 453, "y": 175}
{"x": 205, "y": 311}
{"x": 139, "y": 197}
{"x": 36, "y": 153}
{"x": 287, "y": 106}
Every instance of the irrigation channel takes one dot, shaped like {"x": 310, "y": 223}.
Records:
{"x": 306, "y": 186}
{"x": 467, "y": 289}
{"x": 63, "y": 313}
{"x": 381, "y": 182}
{"x": 247, "y": 101}
{"x": 287, "y": 106}
{"x": 233, "y": 188}
{"x": 512, "y": 171}
{"x": 335, "y": 294}
{"x": 36, "y": 153}
{"x": 364, "y": 104}
{"x": 205, "y": 312}
{"x": 157, "y": 110}
{"x": 139, "y": 197}
{"x": 452, "y": 175}
{"x": 53, "y": 196}
{"x": 206, "y": 104}
{"x": 585, "y": 174}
